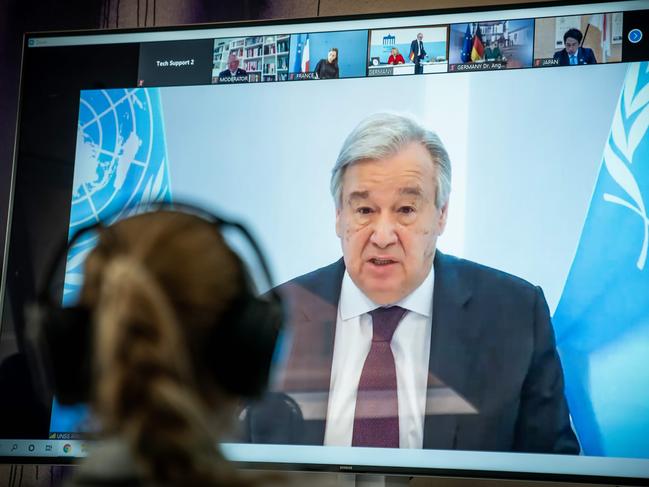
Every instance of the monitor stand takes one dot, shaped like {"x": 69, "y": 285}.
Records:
{"x": 371, "y": 480}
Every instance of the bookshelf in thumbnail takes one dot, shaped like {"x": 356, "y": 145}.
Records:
{"x": 264, "y": 58}
{"x": 275, "y": 58}
{"x": 248, "y": 50}
{"x": 251, "y": 61}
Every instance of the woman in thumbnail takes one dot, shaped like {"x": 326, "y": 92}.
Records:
{"x": 155, "y": 297}
{"x": 328, "y": 68}
{"x": 492, "y": 52}
{"x": 396, "y": 57}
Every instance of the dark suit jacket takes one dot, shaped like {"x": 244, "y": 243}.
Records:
{"x": 225, "y": 74}
{"x": 492, "y": 343}
{"x": 414, "y": 49}
{"x": 585, "y": 55}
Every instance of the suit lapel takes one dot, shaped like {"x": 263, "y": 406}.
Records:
{"x": 453, "y": 345}
{"x": 314, "y": 312}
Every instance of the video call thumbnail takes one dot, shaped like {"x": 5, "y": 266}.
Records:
{"x": 416, "y": 50}
{"x": 500, "y": 44}
{"x": 250, "y": 59}
{"x": 172, "y": 63}
{"x": 328, "y": 55}
{"x": 578, "y": 39}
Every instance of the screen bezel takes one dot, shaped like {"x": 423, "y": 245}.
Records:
{"x": 486, "y": 474}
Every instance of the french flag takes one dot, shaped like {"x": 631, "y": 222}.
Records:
{"x": 304, "y": 68}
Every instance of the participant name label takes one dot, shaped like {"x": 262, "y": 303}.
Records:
{"x": 484, "y": 66}
{"x": 172, "y": 63}
{"x": 541, "y": 63}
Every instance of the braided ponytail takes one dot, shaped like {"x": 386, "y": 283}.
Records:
{"x": 149, "y": 390}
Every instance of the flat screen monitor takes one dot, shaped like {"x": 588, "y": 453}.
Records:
{"x": 518, "y": 253}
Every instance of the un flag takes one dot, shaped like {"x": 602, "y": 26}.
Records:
{"x": 120, "y": 162}
{"x": 602, "y": 320}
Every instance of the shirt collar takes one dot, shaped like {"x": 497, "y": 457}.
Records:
{"x": 354, "y": 302}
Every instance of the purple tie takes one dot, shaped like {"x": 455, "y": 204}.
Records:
{"x": 376, "y": 420}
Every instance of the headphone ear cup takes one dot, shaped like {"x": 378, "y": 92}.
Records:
{"x": 71, "y": 339}
{"x": 243, "y": 345}
{"x": 60, "y": 343}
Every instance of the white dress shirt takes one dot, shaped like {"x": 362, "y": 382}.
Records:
{"x": 410, "y": 346}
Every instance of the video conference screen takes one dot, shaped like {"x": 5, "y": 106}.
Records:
{"x": 523, "y": 278}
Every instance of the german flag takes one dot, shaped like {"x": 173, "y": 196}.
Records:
{"x": 477, "y": 53}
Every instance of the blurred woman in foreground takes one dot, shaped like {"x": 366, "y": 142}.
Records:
{"x": 157, "y": 285}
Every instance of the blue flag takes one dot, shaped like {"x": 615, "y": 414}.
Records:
{"x": 602, "y": 320}
{"x": 120, "y": 162}
{"x": 301, "y": 52}
{"x": 465, "y": 56}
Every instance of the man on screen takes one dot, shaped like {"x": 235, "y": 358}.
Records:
{"x": 234, "y": 74}
{"x": 418, "y": 53}
{"x": 399, "y": 345}
{"x": 573, "y": 54}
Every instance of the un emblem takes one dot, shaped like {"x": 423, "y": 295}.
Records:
{"x": 120, "y": 162}
{"x": 628, "y": 144}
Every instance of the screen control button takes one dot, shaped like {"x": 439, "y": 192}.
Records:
{"x": 635, "y": 36}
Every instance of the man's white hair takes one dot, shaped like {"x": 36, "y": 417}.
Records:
{"x": 381, "y": 136}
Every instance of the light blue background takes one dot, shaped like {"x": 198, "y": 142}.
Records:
{"x": 434, "y": 39}
{"x": 433, "y": 50}
{"x": 352, "y": 51}
{"x": 531, "y": 156}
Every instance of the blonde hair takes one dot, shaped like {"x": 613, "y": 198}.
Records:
{"x": 157, "y": 284}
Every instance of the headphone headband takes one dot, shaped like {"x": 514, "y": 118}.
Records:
{"x": 62, "y": 249}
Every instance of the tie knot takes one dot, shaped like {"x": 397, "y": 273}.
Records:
{"x": 385, "y": 321}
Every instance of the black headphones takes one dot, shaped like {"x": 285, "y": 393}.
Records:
{"x": 59, "y": 339}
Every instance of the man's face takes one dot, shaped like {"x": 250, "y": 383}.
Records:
{"x": 420, "y": 37}
{"x": 233, "y": 63}
{"x": 388, "y": 223}
{"x": 331, "y": 56}
{"x": 571, "y": 45}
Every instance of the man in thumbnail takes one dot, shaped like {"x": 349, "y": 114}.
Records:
{"x": 234, "y": 72}
{"x": 573, "y": 54}
{"x": 378, "y": 334}
{"x": 418, "y": 53}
